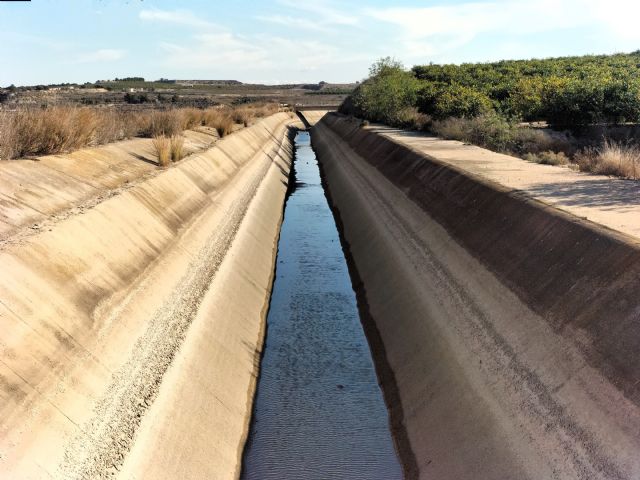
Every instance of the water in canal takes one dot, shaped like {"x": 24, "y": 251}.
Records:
{"x": 319, "y": 412}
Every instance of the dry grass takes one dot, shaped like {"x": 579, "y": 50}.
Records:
{"x": 37, "y": 132}
{"x": 177, "y": 144}
{"x": 611, "y": 158}
{"x": 113, "y": 125}
{"x": 220, "y": 119}
{"x": 191, "y": 118}
{"x": 162, "y": 148}
{"x": 548, "y": 158}
{"x": 7, "y": 136}
{"x": 243, "y": 116}
{"x": 412, "y": 119}
{"x": 498, "y": 134}
{"x": 164, "y": 122}
{"x": 247, "y": 114}
{"x": 31, "y": 132}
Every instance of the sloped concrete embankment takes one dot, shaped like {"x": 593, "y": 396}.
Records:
{"x": 42, "y": 190}
{"x": 130, "y": 334}
{"x": 506, "y": 332}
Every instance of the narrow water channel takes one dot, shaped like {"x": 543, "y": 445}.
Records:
{"x": 319, "y": 412}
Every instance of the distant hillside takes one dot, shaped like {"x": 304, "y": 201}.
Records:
{"x": 208, "y": 82}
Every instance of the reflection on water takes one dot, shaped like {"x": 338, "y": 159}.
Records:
{"x": 319, "y": 412}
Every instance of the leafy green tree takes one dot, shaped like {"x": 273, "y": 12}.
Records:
{"x": 525, "y": 99}
{"x": 460, "y": 101}
{"x": 564, "y": 91}
{"x": 388, "y": 91}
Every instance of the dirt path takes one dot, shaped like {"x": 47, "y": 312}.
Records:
{"x": 607, "y": 201}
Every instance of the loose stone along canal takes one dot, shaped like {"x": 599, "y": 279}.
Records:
{"x": 319, "y": 412}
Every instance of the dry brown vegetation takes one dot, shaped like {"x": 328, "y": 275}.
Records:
{"x": 548, "y": 158}
{"x": 177, "y": 144}
{"x": 611, "y": 159}
{"x": 220, "y": 119}
{"x": 31, "y": 132}
{"x": 162, "y": 149}
{"x": 163, "y": 122}
{"x": 496, "y": 133}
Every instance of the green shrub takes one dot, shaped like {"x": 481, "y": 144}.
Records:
{"x": 570, "y": 91}
{"x": 387, "y": 92}
{"x": 461, "y": 102}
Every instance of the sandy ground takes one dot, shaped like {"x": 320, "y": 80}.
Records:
{"x": 607, "y": 201}
{"x": 479, "y": 385}
{"x": 132, "y": 325}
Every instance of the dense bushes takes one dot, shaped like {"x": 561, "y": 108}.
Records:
{"x": 134, "y": 98}
{"x": 566, "y": 91}
{"x": 571, "y": 91}
{"x": 452, "y": 101}
{"x": 388, "y": 92}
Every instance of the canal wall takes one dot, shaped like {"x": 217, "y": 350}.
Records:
{"x": 505, "y": 330}
{"x": 130, "y": 332}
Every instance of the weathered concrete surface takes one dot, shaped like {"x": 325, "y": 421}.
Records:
{"x": 607, "y": 201}
{"x": 44, "y": 189}
{"x": 506, "y": 332}
{"x": 313, "y": 116}
{"x": 136, "y": 325}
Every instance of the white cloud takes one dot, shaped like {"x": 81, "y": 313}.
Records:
{"x": 102, "y": 55}
{"x": 215, "y": 50}
{"x": 442, "y": 28}
{"x": 293, "y": 22}
{"x": 320, "y": 16}
{"x": 263, "y": 58}
{"x": 222, "y": 50}
{"x": 322, "y": 11}
{"x": 178, "y": 17}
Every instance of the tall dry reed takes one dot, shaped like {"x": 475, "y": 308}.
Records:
{"x": 220, "y": 119}
{"x": 612, "y": 158}
{"x": 162, "y": 148}
{"x": 177, "y": 148}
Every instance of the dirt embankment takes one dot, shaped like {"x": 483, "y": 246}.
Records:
{"x": 130, "y": 332}
{"x": 508, "y": 330}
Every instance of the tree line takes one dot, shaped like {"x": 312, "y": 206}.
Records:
{"x": 566, "y": 91}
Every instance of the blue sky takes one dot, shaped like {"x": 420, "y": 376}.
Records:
{"x": 286, "y": 41}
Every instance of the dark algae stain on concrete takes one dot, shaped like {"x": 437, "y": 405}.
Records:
{"x": 319, "y": 412}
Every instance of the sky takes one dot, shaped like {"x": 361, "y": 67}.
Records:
{"x": 287, "y": 41}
